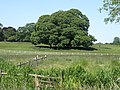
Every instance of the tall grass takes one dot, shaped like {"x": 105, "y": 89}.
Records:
{"x": 76, "y": 77}
{"x": 12, "y": 81}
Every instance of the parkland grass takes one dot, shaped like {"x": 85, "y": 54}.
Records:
{"x": 82, "y": 69}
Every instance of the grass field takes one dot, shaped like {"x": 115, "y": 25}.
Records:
{"x": 20, "y": 52}
{"x": 101, "y": 67}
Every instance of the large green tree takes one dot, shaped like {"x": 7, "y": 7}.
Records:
{"x": 112, "y": 7}
{"x": 63, "y": 29}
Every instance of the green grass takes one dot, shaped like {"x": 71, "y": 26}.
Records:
{"x": 75, "y": 77}
{"x": 17, "y": 52}
{"x": 15, "y": 46}
{"x": 26, "y": 46}
{"x": 99, "y": 65}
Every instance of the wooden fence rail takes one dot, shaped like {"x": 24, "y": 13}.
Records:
{"x": 32, "y": 62}
{"x": 42, "y": 81}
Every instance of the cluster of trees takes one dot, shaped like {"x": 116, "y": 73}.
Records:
{"x": 7, "y": 33}
{"x": 63, "y": 29}
{"x": 60, "y": 29}
{"x": 116, "y": 41}
{"x": 22, "y": 34}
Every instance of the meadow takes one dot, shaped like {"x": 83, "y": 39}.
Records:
{"x": 82, "y": 69}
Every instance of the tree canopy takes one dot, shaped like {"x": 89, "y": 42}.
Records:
{"x": 1, "y": 35}
{"x": 1, "y": 25}
{"x": 7, "y": 34}
{"x": 116, "y": 41}
{"x": 112, "y": 7}
{"x": 63, "y": 29}
{"x": 24, "y": 32}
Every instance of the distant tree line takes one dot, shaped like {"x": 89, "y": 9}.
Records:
{"x": 22, "y": 34}
{"x": 60, "y": 29}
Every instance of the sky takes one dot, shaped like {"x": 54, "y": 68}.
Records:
{"x": 18, "y": 13}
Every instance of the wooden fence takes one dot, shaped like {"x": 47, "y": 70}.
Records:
{"x": 33, "y": 62}
{"x": 42, "y": 81}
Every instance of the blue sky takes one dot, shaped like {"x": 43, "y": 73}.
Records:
{"x": 19, "y": 12}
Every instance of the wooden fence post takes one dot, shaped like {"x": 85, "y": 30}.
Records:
{"x": 0, "y": 75}
{"x": 0, "y": 71}
{"x": 37, "y": 85}
{"x": 20, "y": 64}
{"x": 62, "y": 79}
{"x": 37, "y": 62}
{"x": 29, "y": 63}
{"x": 47, "y": 81}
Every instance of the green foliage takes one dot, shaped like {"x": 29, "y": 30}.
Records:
{"x": 77, "y": 77}
{"x": 61, "y": 28}
{"x": 1, "y": 35}
{"x": 11, "y": 39}
{"x": 1, "y": 25}
{"x": 8, "y": 32}
{"x": 112, "y": 7}
{"x": 116, "y": 41}
{"x": 24, "y": 33}
{"x": 85, "y": 78}
{"x": 12, "y": 80}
